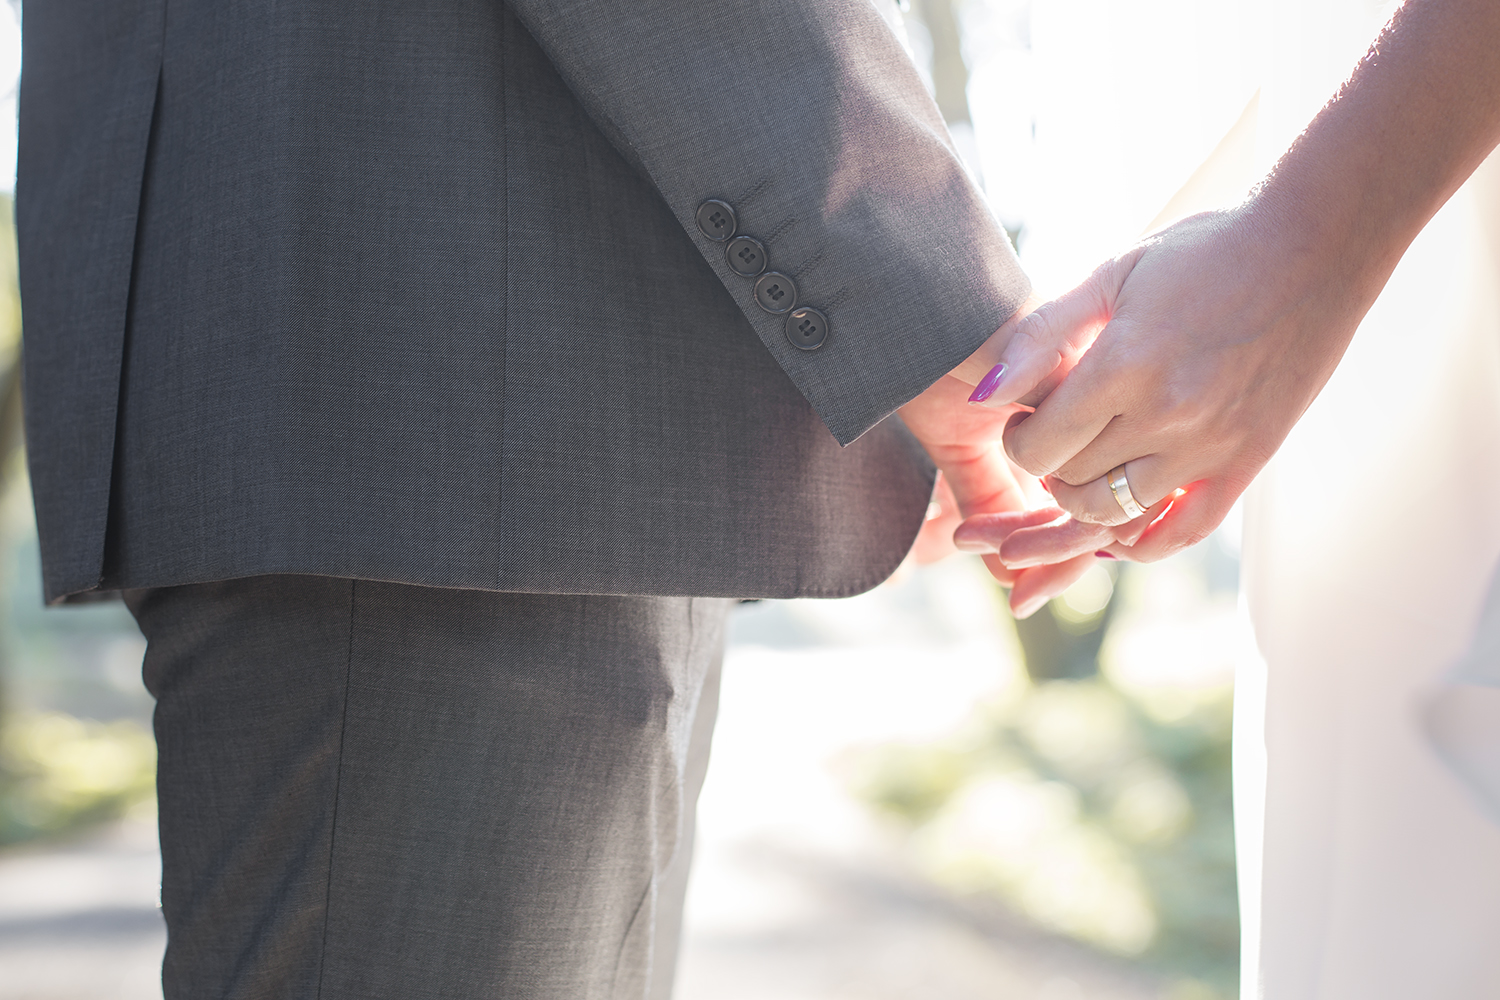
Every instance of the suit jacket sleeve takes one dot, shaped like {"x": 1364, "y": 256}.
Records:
{"x": 808, "y": 119}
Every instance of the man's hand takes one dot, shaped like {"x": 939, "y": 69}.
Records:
{"x": 964, "y": 442}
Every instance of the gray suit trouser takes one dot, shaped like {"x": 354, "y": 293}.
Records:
{"x": 373, "y": 790}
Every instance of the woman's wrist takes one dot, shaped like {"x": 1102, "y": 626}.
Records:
{"x": 1415, "y": 118}
{"x": 1313, "y": 265}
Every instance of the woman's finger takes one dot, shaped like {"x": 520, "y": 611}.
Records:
{"x": 1195, "y": 513}
{"x": 1052, "y": 338}
{"x": 1065, "y": 424}
{"x": 1148, "y": 481}
{"x": 1125, "y": 436}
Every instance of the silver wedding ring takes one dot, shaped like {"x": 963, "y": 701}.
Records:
{"x": 1120, "y": 487}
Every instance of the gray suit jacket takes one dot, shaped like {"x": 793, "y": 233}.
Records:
{"x": 416, "y": 291}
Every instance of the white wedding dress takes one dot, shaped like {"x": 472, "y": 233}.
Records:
{"x": 1367, "y": 750}
{"x": 1370, "y": 865}
{"x": 1368, "y": 744}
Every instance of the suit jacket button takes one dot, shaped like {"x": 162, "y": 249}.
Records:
{"x": 716, "y": 219}
{"x": 746, "y": 257}
{"x": 806, "y": 328}
{"x": 775, "y": 293}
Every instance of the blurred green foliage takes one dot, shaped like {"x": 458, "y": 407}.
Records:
{"x": 10, "y": 337}
{"x": 1063, "y": 639}
{"x": 57, "y": 772}
{"x": 1084, "y": 805}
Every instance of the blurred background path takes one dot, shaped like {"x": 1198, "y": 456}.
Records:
{"x": 80, "y": 921}
{"x": 806, "y": 886}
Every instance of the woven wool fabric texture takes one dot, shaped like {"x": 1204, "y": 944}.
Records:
{"x": 376, "y": 790}
{"x": 414, "y": 293}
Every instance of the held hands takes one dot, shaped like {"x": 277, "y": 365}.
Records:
{"x": 1191, "y": 357}
{"x": 964, "y": 442}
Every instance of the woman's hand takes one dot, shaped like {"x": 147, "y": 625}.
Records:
{"x": 1195, "y": 354}
{"x": 1214, "y": 335}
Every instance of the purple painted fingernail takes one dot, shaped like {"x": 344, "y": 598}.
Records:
{"x": 987, "y": 385}
{"x": 1102, "y": 554}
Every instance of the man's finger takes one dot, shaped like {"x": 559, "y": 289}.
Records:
{"x": 1054, "y": 542}
{"x": 1003, "y": 575}
{"x": 1035, "y": 587}
{"x": 986, "y": 532}
{"x": 981, "y": 479}
{"x": 935, "y": 539}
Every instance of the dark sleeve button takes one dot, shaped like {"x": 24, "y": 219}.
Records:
{"x": 806, "y": 328}
{"x": 775, "y": 293}
{"x": 746, "y": 257}
{"x": 716, "y": 219}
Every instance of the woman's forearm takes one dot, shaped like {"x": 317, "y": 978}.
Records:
{"x": 1417, "y": 116}
{"x": 1221, "y": 329}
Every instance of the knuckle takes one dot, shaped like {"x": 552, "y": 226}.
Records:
{"x": 1033, "y": 328}
{"x": 1197, "y": 534}
{"x": 1254, "y": 455}
{"x": 1037, "y": 339}
{"x": 1092, "y": 514}
{"x": 1132, "y": 368}
{"x": 1171, "y": 542}
{"x": 1074, "y": 473}
{"x": 1177, "y": 406}
{"x": 1024, "y": 454}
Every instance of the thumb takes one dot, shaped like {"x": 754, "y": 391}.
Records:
{"x": 1048, "y": 342}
